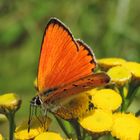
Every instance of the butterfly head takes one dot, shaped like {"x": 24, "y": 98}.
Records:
{"x": 34, "y": 104}
{"x": 36, "y": 101}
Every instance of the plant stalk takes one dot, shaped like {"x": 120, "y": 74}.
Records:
{"x": 76, "y": 127}
{"x": 62, "y": 127}
{"x": 10, "y": 116}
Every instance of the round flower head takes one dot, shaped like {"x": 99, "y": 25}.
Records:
{"x": 98, "y": 121}
{"x": 9, "y": 102}
{"x": 48, "y": 136}
{"x": 120, "y": 75}
{"x": 107, "y": 63}
{"x": 107, "y": 99}
{"x": 126, "y": 127}
{"x": 74, "y": 107}
{"x": 37, "y": 127}
{"x": 134, "y": 68}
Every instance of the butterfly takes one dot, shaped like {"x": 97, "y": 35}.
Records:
{"x": 66, "y": 67}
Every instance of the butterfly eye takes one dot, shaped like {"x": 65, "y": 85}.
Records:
{"x": 36, "y": 101}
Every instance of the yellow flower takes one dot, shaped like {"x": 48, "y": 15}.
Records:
{"x": 126, "y": 127}
{"x": 97, "y": 121}
{"x": 107, "y": 99}
{"x": 8, "y": 102}
{"x": 48, "y": 136}
{"x": 92, "y": 92}
{"x": 1, "y": 137}
{"x": 120, "y": 75}
{"x": 107, "y": 63}
{"x": 37, "y": 127}
{"x": 74, "y": 107}
{"x": 134, "y": 67}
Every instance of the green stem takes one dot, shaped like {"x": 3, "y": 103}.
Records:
{"x": 132, "y": 88}
{"x": 123, "y": 99}
{"x": 132, "y": 97}
{"x": 76, "y": 127}
{"x": 134, "y": 85}
{"x": 10, "y": 116}
{"x": 62, "y": 127}
{"x": 84, "y": 134}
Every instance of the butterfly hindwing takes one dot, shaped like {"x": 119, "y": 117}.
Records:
{"x": 76, "y": 87}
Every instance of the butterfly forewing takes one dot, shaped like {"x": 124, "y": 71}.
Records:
{"x": 62, "y": 59}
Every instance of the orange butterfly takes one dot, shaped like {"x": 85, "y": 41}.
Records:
{"x": 65, "y": 66}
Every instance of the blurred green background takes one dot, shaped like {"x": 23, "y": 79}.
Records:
{"x": 110, "y": 27}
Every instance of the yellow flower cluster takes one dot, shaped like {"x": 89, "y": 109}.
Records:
{"x": 100, "y": 120}
{"x": 104, "y": 101}
{"x": 103, "y": 119}
{"x": 122, "y": 73}
{"x": 37, "y": 131}
{"x": 120, "y": 125}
